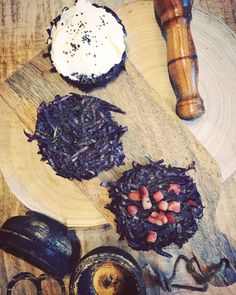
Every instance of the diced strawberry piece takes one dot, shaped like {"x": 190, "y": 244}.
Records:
{"x": 174, "y": 206}
{"x": 158, "y": 196}
{"x": 144, "y": 192}
{"x": 132, "y": 210}
{"x": 174, "y": 188}
{"x": 163, "y": 205}
{"x": 171, "y": 217}
{"x": 191, "y": 202}
{"x": 135, "y": 196}
{"x": 151, "y": 237}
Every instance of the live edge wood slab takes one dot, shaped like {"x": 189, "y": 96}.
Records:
{"x": 153, "y": 131}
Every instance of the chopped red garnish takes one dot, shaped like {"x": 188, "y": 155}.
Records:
{"x": 171, "y": 217}
{"x": 132, "y": 210}
{"x": 151, "y": 237}
{"x": 162, "y": 217}
{"x": 135, "y": 196}
{"x": 174, "y": 188}
{"x": 146, "y": 202}
{"x": 159, "y": 222}
{"x": 158, "y": 218}
{"x": 158, "y": 196}
{"x": 154, "y": 214}
{"x": 174, "y": 206}
{"x": 191, "y": 202}
{"x": 144, "y": 192}
{"x": 153, "y": 217}
{"x": 163, "y": 205}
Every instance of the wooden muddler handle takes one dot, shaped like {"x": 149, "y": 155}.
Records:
{"x": 174, "y": 17}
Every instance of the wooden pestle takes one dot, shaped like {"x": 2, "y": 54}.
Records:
{"x": 174, "y": 17}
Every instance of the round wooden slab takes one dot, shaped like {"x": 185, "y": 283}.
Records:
{"x": 59, "y": 198}
{"x": 216, "y": 48}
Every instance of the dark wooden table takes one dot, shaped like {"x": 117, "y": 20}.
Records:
{"x": 23, "y": 26}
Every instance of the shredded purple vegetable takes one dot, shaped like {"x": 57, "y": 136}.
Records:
{"x": 78, "y": 137}
{"x": 156, "y": 177}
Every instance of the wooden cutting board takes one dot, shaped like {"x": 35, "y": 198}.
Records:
{"x": 154, "y": 131}
{"x": 216, "y": 45}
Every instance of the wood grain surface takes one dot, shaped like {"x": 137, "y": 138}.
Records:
{"x": 18, "y": 26}
{"x": 216, "y": 49}
{"x": 153, "y": 131}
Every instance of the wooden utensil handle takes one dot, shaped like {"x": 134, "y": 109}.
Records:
{"x": 174, "y": 17}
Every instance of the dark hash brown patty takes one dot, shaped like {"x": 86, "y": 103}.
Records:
{"x": 155, "y": 205}
{"x": 78, "y": 137}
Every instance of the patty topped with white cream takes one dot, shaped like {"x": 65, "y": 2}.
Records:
{"x": 87, "y": 44}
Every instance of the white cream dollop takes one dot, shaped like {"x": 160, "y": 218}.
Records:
{"x": 86, "y": 40}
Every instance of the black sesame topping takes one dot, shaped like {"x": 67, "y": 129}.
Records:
{"x": 86, "y": 39}
{"x": 86, "y": 82}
